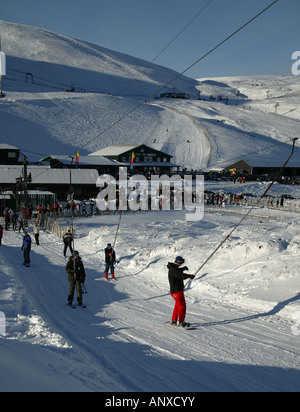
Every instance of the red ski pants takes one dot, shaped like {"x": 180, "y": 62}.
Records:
{"x": 180, "y": 307}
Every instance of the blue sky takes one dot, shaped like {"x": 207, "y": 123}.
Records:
{"x": 142, "y": 28}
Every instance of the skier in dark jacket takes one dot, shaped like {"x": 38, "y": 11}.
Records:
{"x": 110, "y": 260}
{"x": 76, "y": 276}
{"x": 176, "y": 278}
{"x": 68, "y": 240}
{"x": 7, "y": 220}
{"x": 26, "y": 247}
{"x": 21, "y": 224}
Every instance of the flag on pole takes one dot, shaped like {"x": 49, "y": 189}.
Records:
{"x": 132, "y": 160}
{"x": 77, "y": 159}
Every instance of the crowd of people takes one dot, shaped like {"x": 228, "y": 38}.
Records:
{"x": 224, "y": 199}
{"x": 74, "y": 267}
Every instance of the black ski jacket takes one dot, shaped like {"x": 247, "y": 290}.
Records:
{"x": 110, "y": 256}
{"x": 68, "y": 239}
{"x": 176, "y": 277}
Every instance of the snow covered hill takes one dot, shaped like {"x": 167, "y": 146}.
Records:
{"x": 39, "y": 116}
{"x": 245, "y": 304}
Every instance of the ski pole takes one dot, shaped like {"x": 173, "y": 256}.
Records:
{"x": 83, "y": 288}
{"x": 246, "y": 215}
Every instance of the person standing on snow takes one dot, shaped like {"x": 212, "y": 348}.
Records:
{"x": 36, "y": 232}
{"x": 68, "y": 240}
{"x": 7, "y": 220}
{"x": 14, "y": 220}
{"x": 110, "y": 260}
{"x": 21, "y": 224}
{"x": 26, "y": 247}
{"x": 176, "y": 278}
{"x": 76, "y": 276}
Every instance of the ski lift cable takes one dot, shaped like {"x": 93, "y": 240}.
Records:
{"x": 246, "y": 215}
{"x": 139, "y": 73}
{"x": 181, "y": 74}
{"x": 64, "y": 85}
{"x": 181, "y": 31}
{"x": 176, "y": 77}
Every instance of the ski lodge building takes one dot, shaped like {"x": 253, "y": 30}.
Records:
{"x": 9, "y": 155}
{"x": 254, "y": 168}
{"x": 145, "y": 158}
{"x": 265, "y": 164}
{"x": 60, "y": 175}
{"x": 45, "y": 179}
{"x": 108, "y": 160}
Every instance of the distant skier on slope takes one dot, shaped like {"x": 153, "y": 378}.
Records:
{"x": 76, "y": 276}
{"x": 176, "y": 278}
{"x": 36, "y": 232}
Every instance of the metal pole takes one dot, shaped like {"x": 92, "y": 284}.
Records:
{"x": 72, "y": 219}
{"x": 115, "y": 241}
{"x": 25, "y": 182}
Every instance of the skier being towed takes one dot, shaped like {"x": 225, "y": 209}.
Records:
{"x": 176, "y": 278}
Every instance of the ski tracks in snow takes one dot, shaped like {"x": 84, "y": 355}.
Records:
{"x": 120, "y": 340}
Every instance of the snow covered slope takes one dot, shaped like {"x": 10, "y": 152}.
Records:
{"x": 244, "y": 305}
{"x": 247, "y": 124}
{"x": 39, "y": 116}
{"x": 59, "y": 61}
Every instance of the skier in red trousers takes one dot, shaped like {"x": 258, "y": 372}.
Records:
{"x": 176, "y": 278}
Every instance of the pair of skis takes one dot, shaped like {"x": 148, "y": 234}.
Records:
{"x": 109, "y": 279}
{"x": 76, "y": 306}
{"x": 176, "y": 326}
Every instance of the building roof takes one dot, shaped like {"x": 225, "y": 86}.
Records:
{"x": 92, "y": 160}
{"x": 118, "y": 150}
{"x": 4, "y": 146}
{"x": 83, "y": 160}
{"x": 47, "y": 175}
{"x": 273, "y": 158}
{"x": 115, "y": 150}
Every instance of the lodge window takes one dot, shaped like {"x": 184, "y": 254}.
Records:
{"x": 148, "y": 159}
